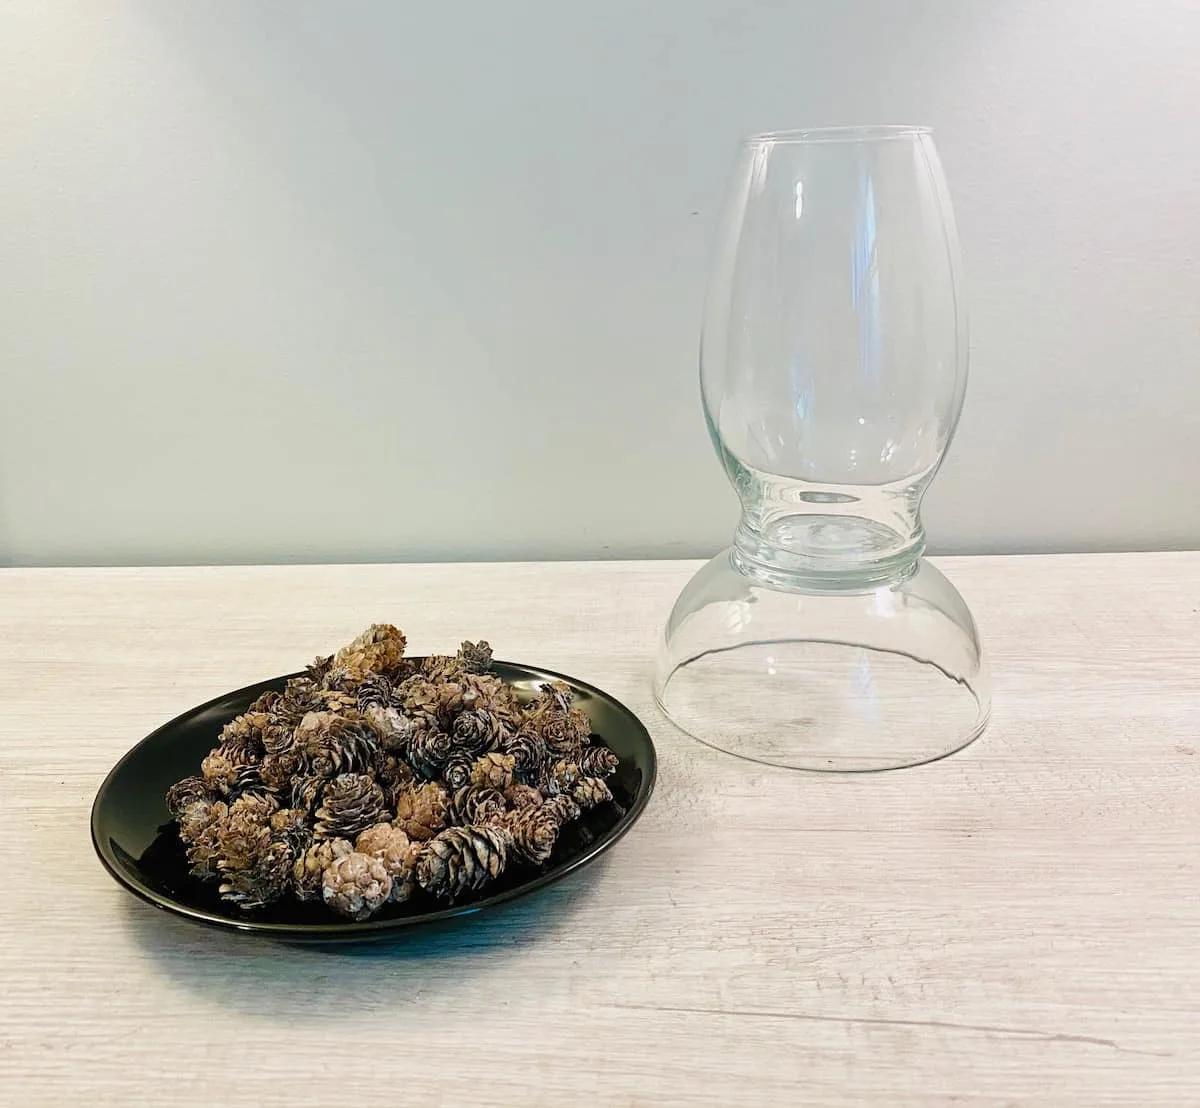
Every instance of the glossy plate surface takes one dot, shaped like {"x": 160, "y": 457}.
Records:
{"x": 137, "y": 841}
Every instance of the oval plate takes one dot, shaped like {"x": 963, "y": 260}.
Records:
{"x": 138, "y": 842}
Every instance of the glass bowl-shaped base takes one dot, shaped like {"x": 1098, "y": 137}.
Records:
{"x": 833, "y": 680}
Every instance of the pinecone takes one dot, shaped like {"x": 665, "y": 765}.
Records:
{"x": 265, "y": 702}
{"x": 393, "y": 730}
{"x": 338, "y": 701}
{"x": 441, "y": 667}
{"x": 278, "y": 738}
{"x": 457, "y": 771}
{"x": 563, "y": 777}
{"x": 356, "y": 886}
{"x": 222, "y": 765}
{"x": 394, "y": 775}
{"x": 332, "y": 743}
{"x": 193, "y": 818}
{"x": 375, "y": 691}
{"x": 248, "y": 782}
{"x": 239, "y": 843}
{"x": 311, "y": 865}
{"x": 591, "y": 791}
{"x": 533, "y": 831}
{"x": 293, "y": 827}
{"x": 316, "y": 669}
{"x": 379, "y": 649}
{"x": 279, "y": 771}
{"x": 429, "y": 748}
{"x": 494, "y": 771}
{"x": 598, "y": 761}
{"x": 554, "y": 697}
{"x": 300, "y": 696}
{"x": 187, "y": 792}
{"x": 351, "y": 803}
{"x": 265, "y": 879}
{"x": 522, "y": 796}
{"x": 462, "y": 860}
{"x": 563, "y": 807}
{"x": 478, "y": 730}
{"x": 423, "y": 811}
{"x": 253, "y": 808}
{"x": 398, "y": 854}
{"x": 475, "y": 804}
{"x": 565, "y": 734}
{"x": 475, "y": 657}
{"x": 245, "y": 734}
{"x": 306, "y": 791}
{"x": 528, "y": 749}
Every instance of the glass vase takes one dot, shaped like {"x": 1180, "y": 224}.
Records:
{"x": 833, "y": 366}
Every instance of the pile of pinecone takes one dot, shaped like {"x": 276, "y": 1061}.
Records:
{"x": 375, "y": 774}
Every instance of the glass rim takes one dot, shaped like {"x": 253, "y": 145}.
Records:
{"x": 851, "y": 134}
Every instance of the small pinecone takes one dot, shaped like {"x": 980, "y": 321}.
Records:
{"x": 564, "y": 734}
{"x": 240, "y": 842}
{"x": 441, "y": 667}
{"x": 457, "y": 771}
{"x": 423, "y": 811}
{"x": 265, "y": 702}
{"x": 533, "y": 831}
{"x": 278, "y": 738}
{"x": 307, "y": 790}
{"x": 311, "y": 865}
{"x": 478, "y": 730}
{"x": 590, "y": 792}
{"x": 249, "y": 782}
{"x": 300, "y": 696}
{"x": 333, "y": 743}
{"x": 475, "y": 657}
{"x": 338, "y": 701}
{"x": 351, "y": 803}
{"x": 393, "y": 774}
{"x": 203, "y": 836}
{"x": 245, "y": 734}
{"x": 379, "y": 649}
{"x": 393, "y": 730}
{"x": 193, "y": 818}
{"x": 221, "y": 767}
{"x": 429, "y": 749}
{"x": 598, "y": 761}
{"x": 253, "y": 808}
{"x": 292, "y": 825}
{"x": 493, "y": 771}
{"x": 475, "y": 804}
{"x": 279, "y": 771}
{"x": 563, "y": 777}
{"x": 265, "y": 879}
{"x": 375, "y": 691}
{"x": 462, "y": 860}
{"x": 356, "y": 886}
{"x": 318, "y": 667}
{"x": 187, "y": 792}
{"x": 528, "y": 749}
{"x": 565, "y": 808}
{"x": 522, "y": 796}
{"x": 398, "y": 854}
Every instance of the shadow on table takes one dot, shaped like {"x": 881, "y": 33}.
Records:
{"x": 296, "y": 983}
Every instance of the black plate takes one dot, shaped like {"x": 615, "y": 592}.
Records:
{"x": 139, "y": 845}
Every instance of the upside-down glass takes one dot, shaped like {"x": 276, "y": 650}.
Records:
{"x": 833, "y": 366}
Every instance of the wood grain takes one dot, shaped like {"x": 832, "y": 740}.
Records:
{"x": 1017, "y": 924}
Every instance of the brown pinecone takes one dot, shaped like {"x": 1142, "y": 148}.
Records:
{"x": 597, "y": 761}
{"x": 186, "y": 792}
{"x": 318, "y": 667}
{"x": 564, "y": 808}
{"x": 457, "y": 771}
{"x": 393, "y": 774}
{"x": 248, "y": 782}
{"x": 265, "y": 702}
{"x": 398, "y": 854}
{"x": 591, "y": 791}
{"x": 429, "y": 748}
{"x": 267, "y": 877}
{"x": 375, "y": 691}
{"x": 462, "y": 860}
{"x": 311, "y": 865}
{"x": 300, "y": 696}
{"x": 278, "y": 738}
{"x": 245, "y": 734}
{"x": 292, "y": 825}
{"x": 279, "y": 771}
{"x": 422, "y": 812}
{"x": 555, "y": 697}
{"x": 522, "y": 796}
{"x": 253, "y": 808}
{"x": 528, "y": 749}
{"x": 307, "y": 790}
{"x": 393, "y": 730}
{"x": 488, "y": 692}
{"x": 565, "y": 734}
{"x": 476, "y": 804}
{"x": 332, "y": 743}
{"x": 493, "y": 771}
{"x": 338, "y": 702}
{"x": 441, "y": 667}
{"x": 563, "y": 777}
{"x": 356, "y": 885}
{"x": 194, "y": 817}
{"x": 239, "y": 843}
{"x": 222, "y": 765}
{"x": 475, "y": 657}
{"x": 351, "y": 803}
{"x": 478, "y": 730}
{"x": 379, "y": 649}
{"x": 533, "y": 831}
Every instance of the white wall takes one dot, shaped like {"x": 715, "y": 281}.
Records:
{"x": 295, "y": 280}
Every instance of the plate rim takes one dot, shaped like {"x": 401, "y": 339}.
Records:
{"x": 366, "y": 930}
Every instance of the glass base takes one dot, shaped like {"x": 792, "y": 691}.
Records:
{"x": 836, "y": 681}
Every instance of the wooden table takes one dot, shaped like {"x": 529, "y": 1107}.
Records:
{"x": 1018, "y": 924}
